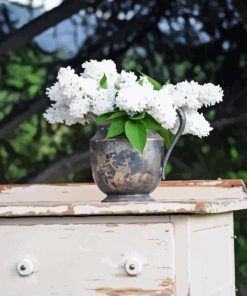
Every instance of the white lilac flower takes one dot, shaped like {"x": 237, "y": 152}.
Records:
{"x": 96, "y": 69}
{"x": 185, "y": 94}
{"x": 193, "y": 95}
{"x": 79, "y": 107}
{"x": 88, "y": 86}
{"x": 103, "y": 101}
{"x": 55, "y": 113}
{"x": 161, "y": 108}
{"x": 126, "y": 79}
{"x": 210, "y": 94}
{"x": 54, "y": 92}
{"x": 59, "y": 113}
{"x": 135, "y": 98}
{"x": 78, "y": 88}
{"x": 74, "y": 95}
{"x": 66, "y": 76}
{"x": 196, "y": 124}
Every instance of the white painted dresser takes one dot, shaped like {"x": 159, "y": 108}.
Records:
{"x": 61, "y": 240}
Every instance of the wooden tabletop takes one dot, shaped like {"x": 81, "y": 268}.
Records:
{"x": 171, "y": 197}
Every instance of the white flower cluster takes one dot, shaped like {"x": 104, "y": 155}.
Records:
{"x": 191, "y": 96}
{"x": 78, "y": 98}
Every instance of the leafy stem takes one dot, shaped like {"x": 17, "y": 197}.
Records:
{"x": 134, "y": 128}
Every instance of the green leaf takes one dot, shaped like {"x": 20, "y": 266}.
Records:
{"x": 110, "y": 116}
{"x": 140, "y": 81}
{"x": 136, "y": 134}
{"x": 116, "y": 114}
{"x": 103, "y": 117}
{"x": 33, "y": 89}
{"x": 155, "y": 83}
{"x": 34, "y": 78}
{"x": 15, "y": 83}
{"x": 103, "y": 82}
{"x": 151, "y": 123}
{"x": 138, "y": 116}
{"x": 168, "y": 81}
{"x": 116, "y": 128}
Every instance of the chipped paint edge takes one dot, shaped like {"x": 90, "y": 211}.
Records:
{"x": 156, "y": 208}
{"x": 229, "y": 183}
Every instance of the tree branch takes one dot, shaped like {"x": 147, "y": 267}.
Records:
{"x": 132, "y": 29}
{"x": 22, "y": 36}
{"x": 223, "y": 122}
{"x": 228, "y": 118}
{"x": 60, "y": 168}
{"x": 5, "y": 13}
{"x": 20, "y": 113}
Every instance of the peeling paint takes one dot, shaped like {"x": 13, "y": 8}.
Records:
{"x": 138, "y": 208}
{"x": 167, "y": 283}
{"x": 17, "y": 189}
{"x": 134, "y": 292}
{"x": 206, "y": 183}
{"x": 21, "y": 210}
{"x": 225, "y": 205}
{"x": 78, "y": 209}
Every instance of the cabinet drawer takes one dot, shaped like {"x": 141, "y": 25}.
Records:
{"x": 87, "y": 259}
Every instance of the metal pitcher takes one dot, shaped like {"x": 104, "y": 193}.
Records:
{"x": 123, "y": 173}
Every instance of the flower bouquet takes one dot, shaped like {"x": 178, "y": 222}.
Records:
{"x": 133, "y": 106}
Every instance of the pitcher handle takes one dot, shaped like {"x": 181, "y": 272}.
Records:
{"x": 182, "y": 122}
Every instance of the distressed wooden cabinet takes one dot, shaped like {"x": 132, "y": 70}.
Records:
{"x": 61, "y": 240}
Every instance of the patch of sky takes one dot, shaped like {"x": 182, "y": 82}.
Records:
{"x": 141, "y": 51}
{"x": 226, "y": 45}
{"x": 67, "y": 36}
{"x": 164, "y": 25}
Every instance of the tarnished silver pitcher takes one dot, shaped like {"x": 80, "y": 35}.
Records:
{"x": 123, "y": 173}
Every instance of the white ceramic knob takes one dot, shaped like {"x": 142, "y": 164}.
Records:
{"x": 133, "y": 266}
{"x": 24, "y": 267}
